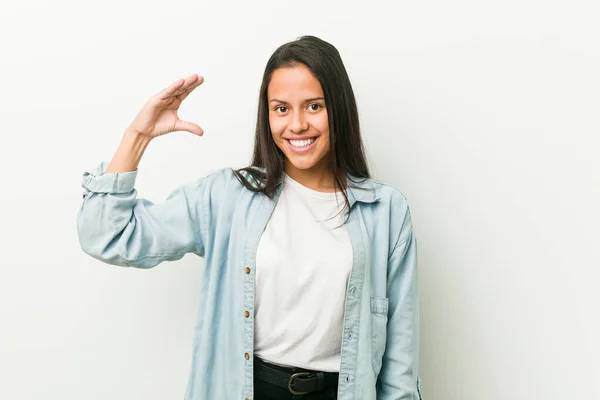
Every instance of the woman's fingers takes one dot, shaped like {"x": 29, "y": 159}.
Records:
{"x": 156, "y": 118}
{"x": 178, "y": 87}
{"x": 188, "y": 127}
{"x": 168, "y": 92}
{"x": 189, "y": 81}
{"x": 191, "y": 88}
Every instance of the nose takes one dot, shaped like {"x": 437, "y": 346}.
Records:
{"x": 298, "y": 122}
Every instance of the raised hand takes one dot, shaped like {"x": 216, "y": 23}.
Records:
{"x": 159, "y": 114}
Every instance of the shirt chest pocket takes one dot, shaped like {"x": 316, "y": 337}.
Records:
{"x": 379, "y": 310}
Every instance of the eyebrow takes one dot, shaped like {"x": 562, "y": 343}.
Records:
{"x": 306, "y": 101}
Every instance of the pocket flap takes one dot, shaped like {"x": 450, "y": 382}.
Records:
{"x": 379, "y": 305}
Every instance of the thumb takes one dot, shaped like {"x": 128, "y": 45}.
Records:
{"x": 188, "y": 127}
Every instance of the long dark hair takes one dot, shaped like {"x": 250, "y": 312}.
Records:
{"x": 347, "y": 155}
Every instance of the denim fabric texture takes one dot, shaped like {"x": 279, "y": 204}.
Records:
{"x": 218, "y": 219}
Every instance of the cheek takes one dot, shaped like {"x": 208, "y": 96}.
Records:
{"x": 324, "y": 129}
{"x": 323, "y": 123}
{"x": 276, "y": 124}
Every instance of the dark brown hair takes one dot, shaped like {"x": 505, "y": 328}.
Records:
{"x": 347, "y": 155}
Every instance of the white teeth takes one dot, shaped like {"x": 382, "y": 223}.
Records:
{"x": 302, "y": 143}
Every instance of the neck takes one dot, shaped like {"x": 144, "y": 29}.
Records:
{"x": 321, "y": 180}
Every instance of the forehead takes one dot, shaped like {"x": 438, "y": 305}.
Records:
{"x": 296, "y": 82}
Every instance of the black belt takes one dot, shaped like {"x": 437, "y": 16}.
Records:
{"x": 297, "y": 380}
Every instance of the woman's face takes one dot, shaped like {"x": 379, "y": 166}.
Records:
{"x": 298, "y": 119}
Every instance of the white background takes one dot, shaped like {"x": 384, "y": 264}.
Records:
{"x": 484, "y": 113}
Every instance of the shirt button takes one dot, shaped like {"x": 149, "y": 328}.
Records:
{"x": 246, "y": 314}
{"x": 247, "y": 356}
{"x": 247, "y": 270}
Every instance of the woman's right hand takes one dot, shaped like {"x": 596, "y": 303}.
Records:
{"x": 159, "y": 114}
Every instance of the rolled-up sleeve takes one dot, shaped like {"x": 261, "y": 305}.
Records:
{"x": 399, "y": 376}
{"x": 117, "y": 227}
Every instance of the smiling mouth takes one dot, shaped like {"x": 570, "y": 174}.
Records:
{"x": 302, "y": 143}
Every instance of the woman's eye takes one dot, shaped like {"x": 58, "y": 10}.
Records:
{"x": 281, "y": 109}
{"x": 315, "y": 106}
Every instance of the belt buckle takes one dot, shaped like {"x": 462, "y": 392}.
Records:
{"x": 294, "y": 376}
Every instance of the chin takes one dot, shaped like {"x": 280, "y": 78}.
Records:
{"x": 304, "y": 165}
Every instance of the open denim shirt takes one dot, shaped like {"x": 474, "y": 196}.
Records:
{"x": 218, "y": 219}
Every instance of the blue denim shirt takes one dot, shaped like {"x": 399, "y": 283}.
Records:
{"x": 218, "y": 219}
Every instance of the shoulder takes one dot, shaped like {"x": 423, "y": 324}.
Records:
{"x": 388, "y": 205}
{"x": 219, "y": 181}
{"x": 391, "y": 192}
{"x": 383, "y": 193}
{"x": 224, "y": 185}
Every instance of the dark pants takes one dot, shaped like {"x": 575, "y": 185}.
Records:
{"x": 267, "y": 391}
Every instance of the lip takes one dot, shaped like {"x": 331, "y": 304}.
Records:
{"x": 303, "y": 149}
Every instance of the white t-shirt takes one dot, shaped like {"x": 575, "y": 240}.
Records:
{"x": 303, "y": 263}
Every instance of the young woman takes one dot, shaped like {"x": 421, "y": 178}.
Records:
{"x": 310, "y": 283}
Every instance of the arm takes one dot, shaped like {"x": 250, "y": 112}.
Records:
{"x": 115, "y": 226}
{"x": 399, "y": 376}
{"x": 118, "y": 228}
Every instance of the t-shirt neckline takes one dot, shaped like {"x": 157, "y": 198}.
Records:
{"x": 310, "y": 192}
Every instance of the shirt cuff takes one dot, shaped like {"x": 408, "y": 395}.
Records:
{"x": 98, "y": 181}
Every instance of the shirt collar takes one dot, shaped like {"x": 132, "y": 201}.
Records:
{"x": 359, "y": 189}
